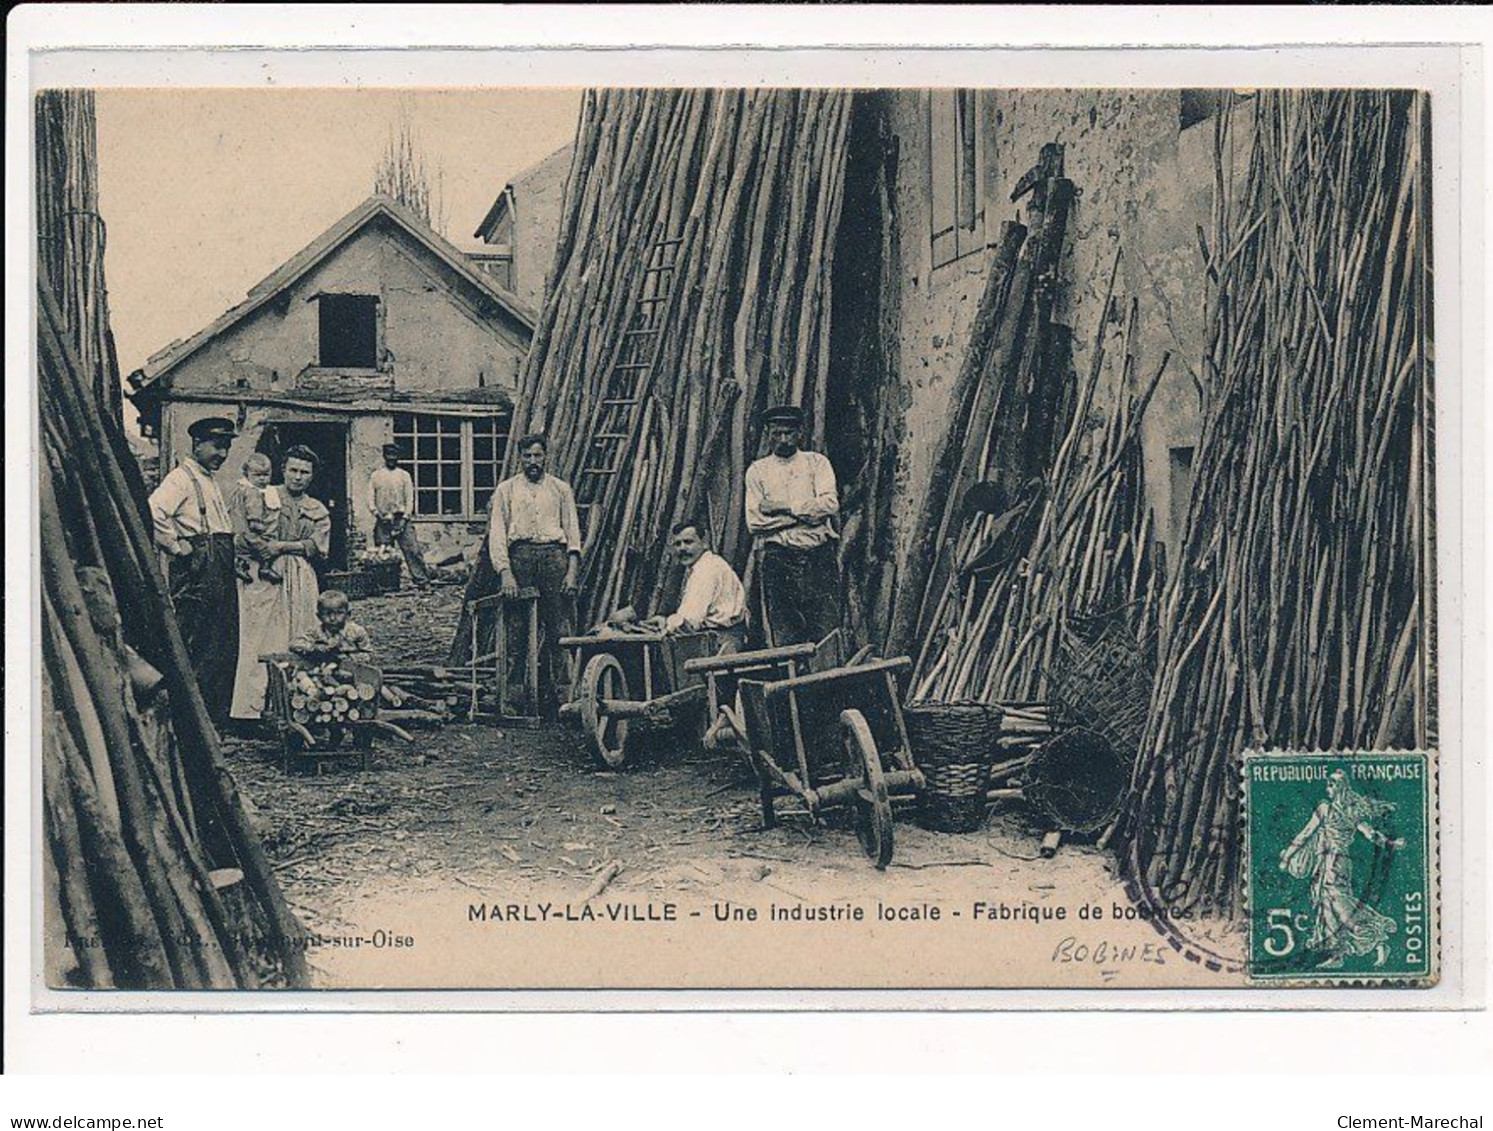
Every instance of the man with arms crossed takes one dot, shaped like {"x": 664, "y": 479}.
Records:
{"x": 791, "y": 500}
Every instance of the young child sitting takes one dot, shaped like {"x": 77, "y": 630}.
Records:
{"x": 255, "y": 505}
{"x": 338, "y": 635}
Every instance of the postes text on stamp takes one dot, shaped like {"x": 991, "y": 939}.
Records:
{"x": 1339, "y": 855}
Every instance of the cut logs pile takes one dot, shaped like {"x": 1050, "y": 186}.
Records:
{"x": 1035, "y": 515}
{"x": 153, "y": 875}
{"x": 422, "y": 696}
{"x": 328, "y": 694}
{"x": 690, "y": 288}
{"x": 1300, "y": 614}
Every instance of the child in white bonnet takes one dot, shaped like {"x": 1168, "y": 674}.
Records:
{"x": 255, "y": 508}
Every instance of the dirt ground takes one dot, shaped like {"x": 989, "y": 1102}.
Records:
{"x": 475, "y": 815}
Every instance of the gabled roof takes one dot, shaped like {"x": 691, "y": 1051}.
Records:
{"x": 502, "y": 204}
{"x": 316, "y": 252}
{"x": 505, "y": 199}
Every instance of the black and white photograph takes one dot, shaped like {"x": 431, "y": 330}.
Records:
{"x": 736, "y": 537}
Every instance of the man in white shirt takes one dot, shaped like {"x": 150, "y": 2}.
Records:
{"x": 791, "y": 501}
{"x": 712, "y": 597}
{"x": 393, "y": 494}
{"x": 194, "y": 533}
{"x": 534, "y": 541}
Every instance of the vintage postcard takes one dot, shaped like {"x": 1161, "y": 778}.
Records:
{"x": 787, "y": 537}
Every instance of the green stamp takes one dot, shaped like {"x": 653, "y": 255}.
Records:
{"x": 1339, "y": 853}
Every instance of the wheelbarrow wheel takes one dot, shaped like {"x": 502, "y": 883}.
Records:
{"x": 871, "y": 807}
{"x": 604, "y": 679}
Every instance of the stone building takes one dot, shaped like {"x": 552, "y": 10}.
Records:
{"x": 378, "y": 330}
{"x": 520, "y": 229}
{"x": 1142, "y": 161}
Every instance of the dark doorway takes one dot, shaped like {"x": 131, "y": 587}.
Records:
{"x": 329, "y": 442}
{"x": 348, "y": 326}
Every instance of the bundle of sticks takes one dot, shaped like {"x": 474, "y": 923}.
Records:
{"x": 141, "y": 814}
{"x": 690, "y": 288}
{"x": 422, "y": 695}
{"x": 1033, "y": 515}
{"x": 71, "y": 235}
{"x": 153, "y": 874}
{"x": 1299, "y": 614}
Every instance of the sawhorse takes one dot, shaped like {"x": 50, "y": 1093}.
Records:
{"x": 525, "y": 603}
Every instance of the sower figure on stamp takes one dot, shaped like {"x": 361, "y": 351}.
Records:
{"x": 193, "y": 529}
{"x": 393, "y": 502}
{"x": 534, "y": 541}
{"x": 791, "y": 501}
{"x": 1343, "y": 925}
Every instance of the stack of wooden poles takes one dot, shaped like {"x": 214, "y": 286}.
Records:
{"x": 1299, "y": 614}
{"x": 153, "y": 875}
{"x": 750, "y": 182}
{"x": 1034, "y": 515}
{"x": 71, "y": 234}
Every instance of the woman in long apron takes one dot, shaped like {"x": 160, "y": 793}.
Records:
{"x": 272, "y": 614}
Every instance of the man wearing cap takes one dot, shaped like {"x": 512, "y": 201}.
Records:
{"x": 195, "y": 533}
{"x": 534, "y": 540}
{"x": 791, "y": 501}
{"x": 393, "y": 494}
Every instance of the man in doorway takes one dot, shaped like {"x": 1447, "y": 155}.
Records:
{"x": 534, "y": 541}
{"x": 791, "y": 502}
{"x": 393, "y": 494}
{"x": 195, "y": 533}
{"x": 712, "y": 597}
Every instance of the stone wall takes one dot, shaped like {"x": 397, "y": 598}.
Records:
{"x": 1144, "y": 185}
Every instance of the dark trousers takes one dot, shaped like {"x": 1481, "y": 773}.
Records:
{"x": 204, "y": 593}
{"x": 802, "y": 592}
{"x": 401, "y": 532}
{"x": 542, "y": 567}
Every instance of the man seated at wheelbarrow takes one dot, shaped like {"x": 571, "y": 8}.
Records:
{"x": 337, "y": 633}
{"x": 712, "y": 597}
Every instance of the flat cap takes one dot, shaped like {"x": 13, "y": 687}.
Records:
{"x": 212, "y": 428}
{"x": 784, "y": 414}
{"x": 393, "y": 449}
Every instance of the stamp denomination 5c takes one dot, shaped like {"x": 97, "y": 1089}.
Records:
{"x": 1339, "y": 853}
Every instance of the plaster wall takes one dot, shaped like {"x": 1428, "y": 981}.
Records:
{"x": 432, "y": 337}
{"x": 1144, "y": 187}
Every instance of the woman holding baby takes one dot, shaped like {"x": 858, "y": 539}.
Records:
{"x": 281, "y": 531}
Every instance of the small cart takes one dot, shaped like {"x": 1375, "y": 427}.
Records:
{"x": 636, "y": 678}
{"x": 834, "y": 738}
{"x": 724, "y": 672}
{"x": 305, "y": 737}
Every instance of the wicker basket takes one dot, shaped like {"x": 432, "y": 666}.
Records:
{"x": 954, "y": 745}
{"x": 384, "y": 575}
{"x": 355, "y": 584}
{"x": 1100, "y": 680}
{"x": 1078, "y": 780}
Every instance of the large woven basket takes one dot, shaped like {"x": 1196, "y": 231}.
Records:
{"x": 355, "y": 583}
{"x": 384, "y": 575}
{"x": 954, "y": 745}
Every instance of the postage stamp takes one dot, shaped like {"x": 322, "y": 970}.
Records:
{"x": 1340, "y": 867}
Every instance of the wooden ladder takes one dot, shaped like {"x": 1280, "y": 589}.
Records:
{"x": 614, "y": 424}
